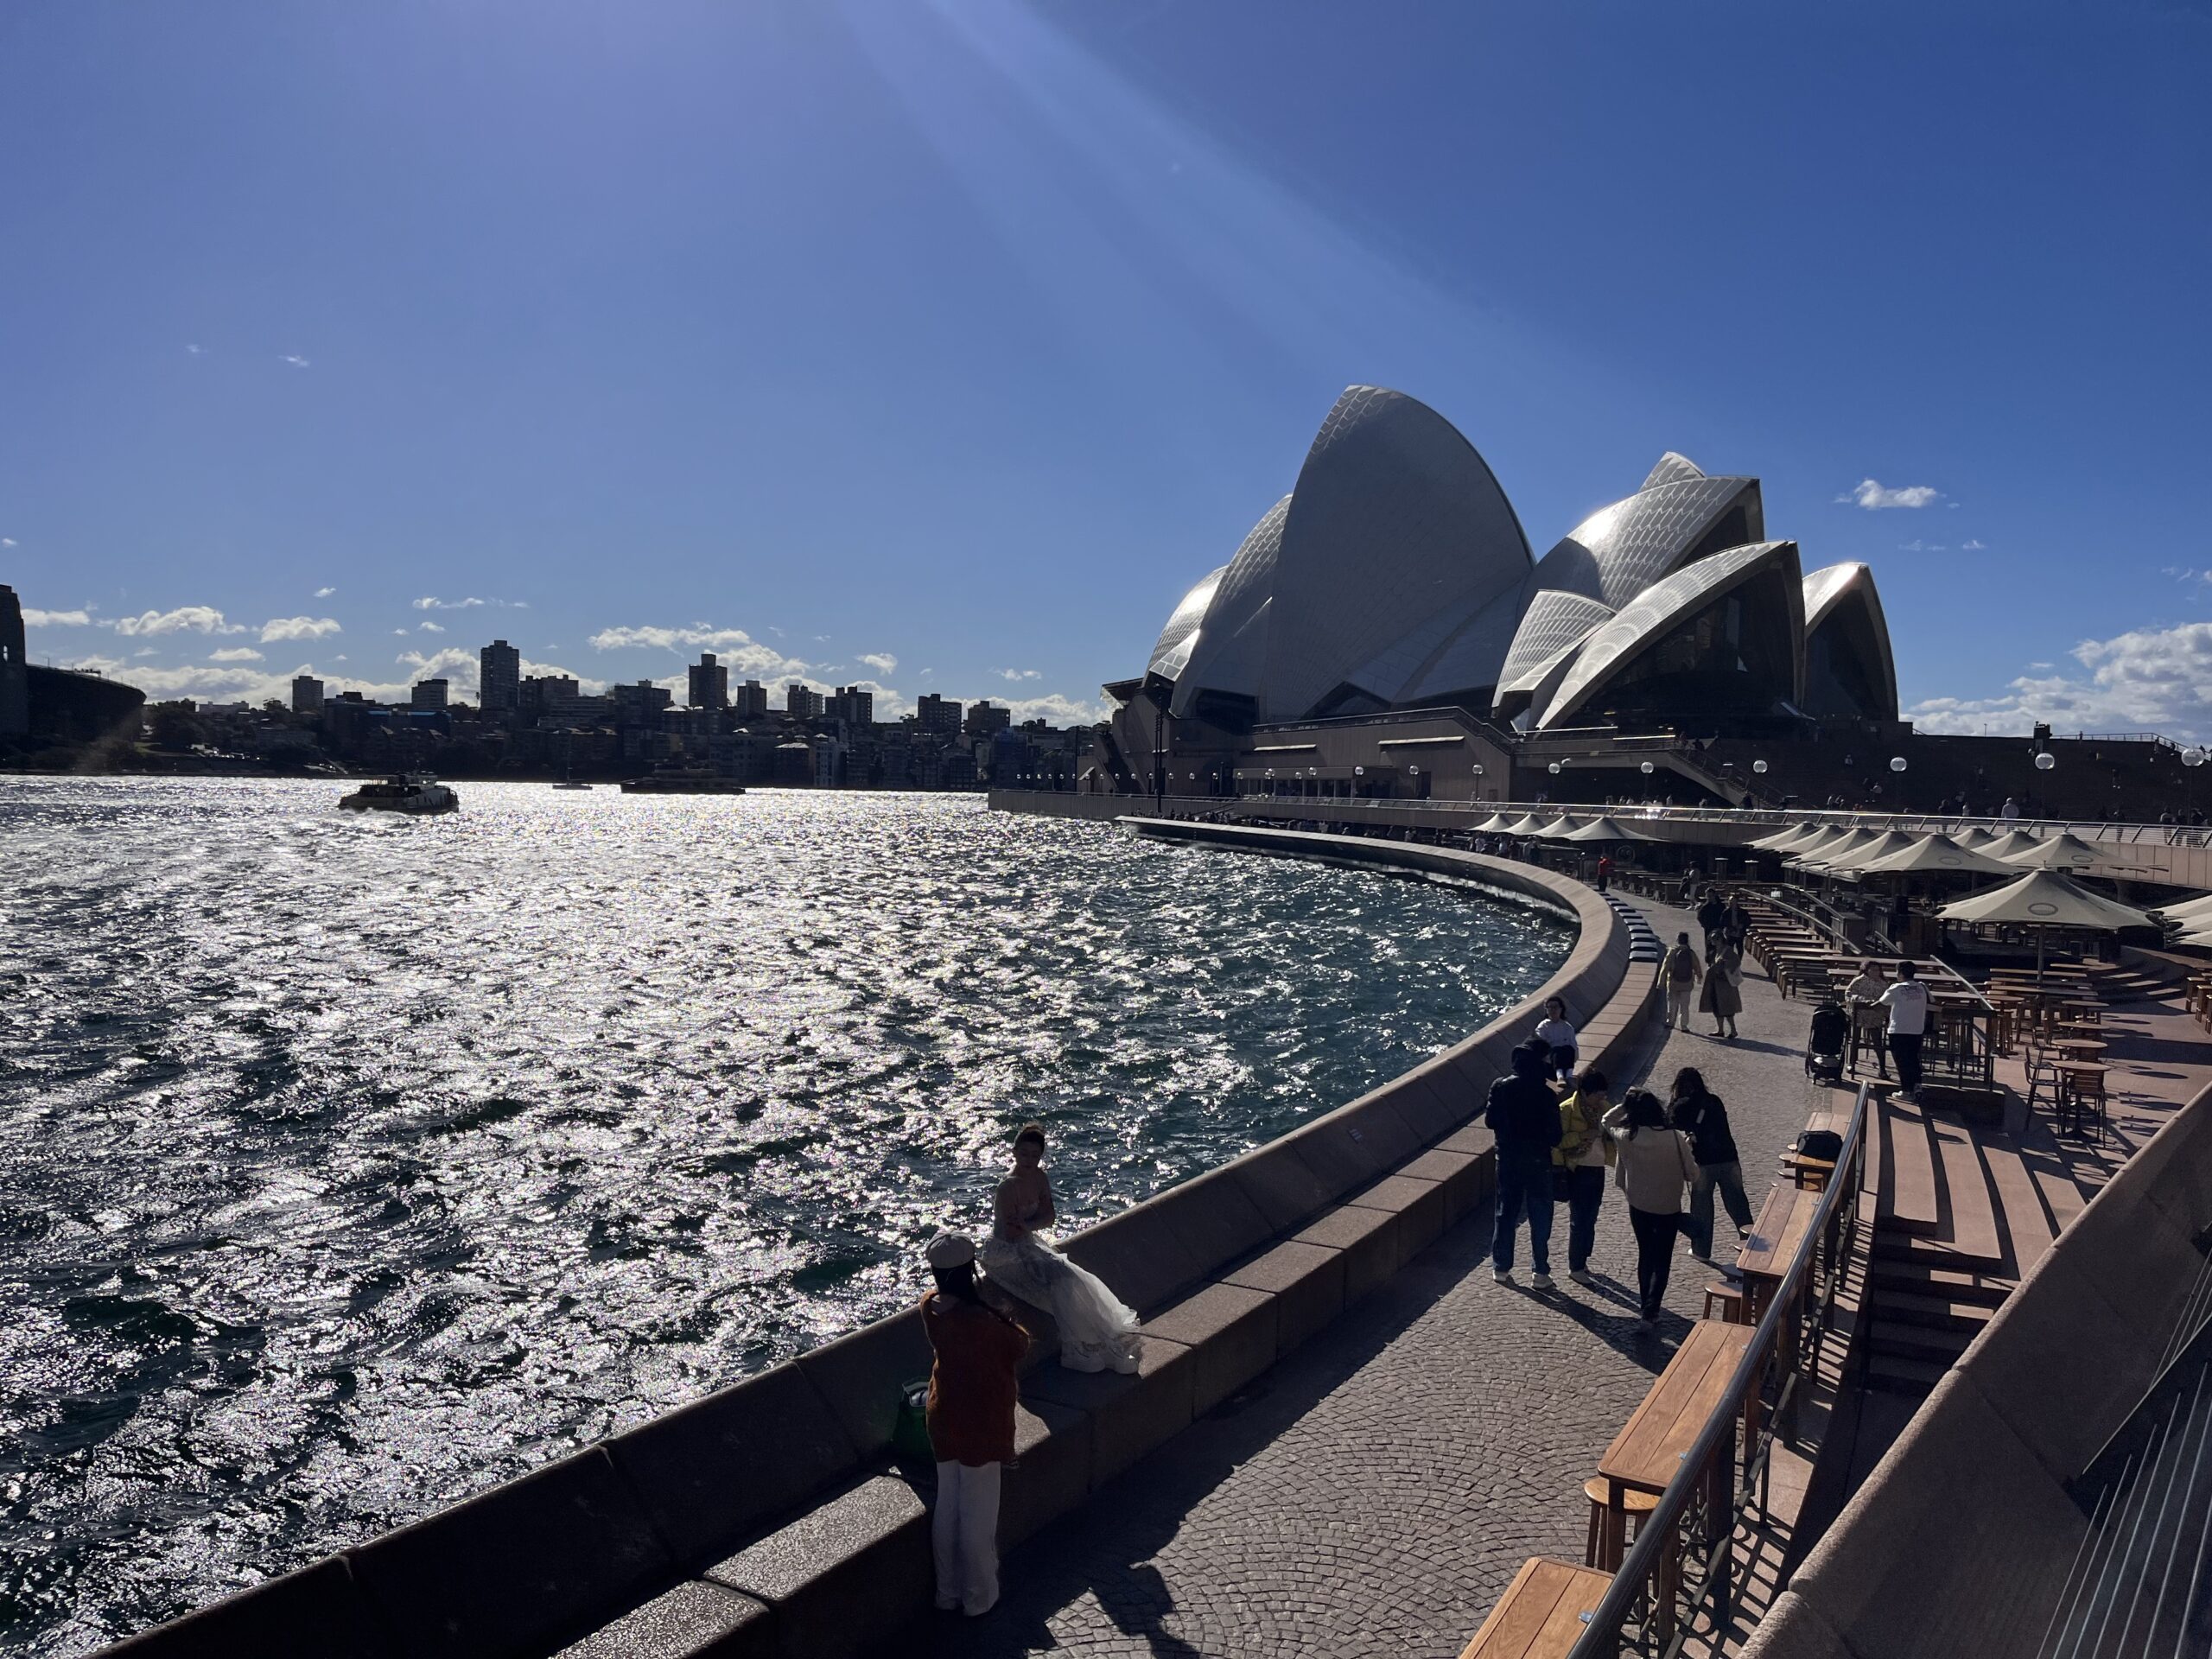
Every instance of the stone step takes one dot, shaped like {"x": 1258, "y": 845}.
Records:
{"x": 1891, "y": 1339}
{"x": 1938, "y": 1284}
{"x": 1910, "y": 1201}
{"x": 1893, "y": 1374}
{"x": 1933, "y": 1252}
{"x": 2026, "y": 1221}
{"x": 1933, "y": 1312}
{"x": 1968, "y": 1214}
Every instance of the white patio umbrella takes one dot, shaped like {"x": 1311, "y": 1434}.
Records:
{"x": 1492, "y": 824}
{"x": 1820, "y": 834}
{"x": 2012, "y": 842}
{"x": 1781, "y": 839}
{"x": 1559, "y": 829}
{"x": 1888, "y": 843}
{"x": 1934, "y": 853}
{"x": 2045, "y": 899}
{"x": 1605, "y": 829}
{"x": 1821, "y": 857}
{"x": 2193, "y": 911}
{"x": 2062, "y": 852}
{"x": 1527, "y": 824}
{"x": 1974, "y": 838}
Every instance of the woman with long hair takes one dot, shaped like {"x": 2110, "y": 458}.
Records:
{"x": 1654, "y": 1167}
{"x": 1697, "y": 1112}
{"x": 1098, "y": 1332}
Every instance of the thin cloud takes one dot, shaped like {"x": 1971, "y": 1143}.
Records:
{"x": 196, "y": 351}
{"x": 1973, "y": 546}
{"x": 739, "y": 651}
{"x": 324, "y": 593}
{"x": 298, "y": 627}
{"x": 1017, "y": 674}
{"x": 881, "y": 661}
{"x": 431, "y": 602}
{"x": 429, "y": 627}
{"x": 7, "y": 540}
{"x": 295, "y": 360}
{"x": 1873, "y": 497}
{"x": 57, "y": 618}
{"x": 1921, "y": 547}
{"x": 185, "y": 619}
{"x": 234, "y": 654}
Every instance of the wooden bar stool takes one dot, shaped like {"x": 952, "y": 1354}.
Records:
{"x": 1599, "y": 1551}
{"x": 1725, "y": 1302}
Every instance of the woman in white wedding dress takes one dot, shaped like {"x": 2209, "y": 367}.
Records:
{"x": 1097, "y": 1333}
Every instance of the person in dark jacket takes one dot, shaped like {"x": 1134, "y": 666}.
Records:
{"x": 1710, "y": 915}
{"x": 973, "y": 1379}
{"x": 1697, "y": 1112}
{"x": 1523, "y": 1118}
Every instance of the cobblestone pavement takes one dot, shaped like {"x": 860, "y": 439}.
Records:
{"x": 1375, "y": 1492}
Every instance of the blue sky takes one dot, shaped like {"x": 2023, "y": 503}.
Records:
{"x": 941, "y": 346}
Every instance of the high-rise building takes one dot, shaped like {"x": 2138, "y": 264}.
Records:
{"x": 709, "y": 682}
{"x": 307, "y": 695}
{"x": 499, "y": 678}
{"x": 985, "y": 719}
{"x": 853, "y": 705}
{"x": 938, "y": 715}
{"x": 801, "y": 703}
{"x": 641, "y": 704}
{"x": 429, "y": 694}
{"x": 750, "y": 701}
{"x": 15, "y": 668}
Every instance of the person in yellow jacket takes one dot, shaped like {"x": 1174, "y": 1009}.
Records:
{"x": 1578, "y": 1166}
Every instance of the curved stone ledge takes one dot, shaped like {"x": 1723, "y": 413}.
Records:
{"x": 770, "y": 1518}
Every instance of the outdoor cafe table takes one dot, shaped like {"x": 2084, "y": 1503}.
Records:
{"x": 1650, "y": 1451}
{"x": 1772, "y": 1243}
{"x": 1540, "y": 1614}
{"x": 2072, "y": 1074}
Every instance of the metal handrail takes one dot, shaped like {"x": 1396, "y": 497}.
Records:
{"x": 1601, "y": 1639}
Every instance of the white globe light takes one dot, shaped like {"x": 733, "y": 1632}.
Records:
{"x": 1647, "y": 768}
{"x": 1897, "y": 763}
{"x": 1555, "y": 768}
{"x": 2045, "y": 762}
{"x": 2192, "y": 757}
{"x": 1759, "y": 766}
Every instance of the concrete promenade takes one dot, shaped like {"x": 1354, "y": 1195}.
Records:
{"x": 1375, "y": 1492}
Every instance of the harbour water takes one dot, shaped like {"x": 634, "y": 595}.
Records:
{"x": 349, "y": 1164}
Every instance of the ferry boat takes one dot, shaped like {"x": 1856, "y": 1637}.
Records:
{"x": 682, "y": 780}
{"x": 414, "y": 792}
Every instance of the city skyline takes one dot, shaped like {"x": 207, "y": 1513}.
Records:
{"x": 930, "y": 349}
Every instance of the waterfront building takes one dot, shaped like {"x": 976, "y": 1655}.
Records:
{"x": 307, "y": 695}
{"x": 801, "y": 703}
{"x": 643, "y": 703}
{"x": 538, "y": 692}
{"x": 499, "y": 682}
{"x": 854, "y": 706}
{"x": 939, "y": 717}
{"x": 709, "y": 682}
{"x": 429, "y": 694}
{"x": 15, "y": 669}
{"x": 985, "y": 719}
{"x": 750, "y": 701}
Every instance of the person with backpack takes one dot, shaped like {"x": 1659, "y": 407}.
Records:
{"x": 1710, "y": 915}
{"x": 1584, "y": 1152}
{"x": 1907, "y": 1001}
{"x": 1697, "y": 1112}
{"x": 1681, "y": 969}
{"x": 1654, "y": 1166}
{"x": 1523, "y": 1118}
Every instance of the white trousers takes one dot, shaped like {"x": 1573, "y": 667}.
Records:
{"x": 965, "y": 1535}
{"x": 1678, "y": 1002}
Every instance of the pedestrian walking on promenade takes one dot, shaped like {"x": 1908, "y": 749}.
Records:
{"x": 1681, "y": 969}
{"x": 1721, "y": 998}
{"x": 1735, "y": 926}
{"x": 970, "y": 1414}
{"x": 1584, "y": 1154}
{"x": 1523, "y": 1119}
{"x": 1556, "y": 1032}
{"x": 1710, "y": 915}
{"x": 1604, "y": 871}
{"x": 1697, "y": 1112}
{"x": 1907, "y": 1001}
{"x": 1654, "y": 1166}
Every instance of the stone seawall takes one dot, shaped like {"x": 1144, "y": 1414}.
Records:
{"x": 772, "y": 1517}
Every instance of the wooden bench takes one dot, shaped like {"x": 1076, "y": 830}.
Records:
{"x": 1772, "y": 1244}
{"x": 1543, "y": 1613}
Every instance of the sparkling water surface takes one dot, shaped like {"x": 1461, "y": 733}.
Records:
{"x": 349, "y": 1164}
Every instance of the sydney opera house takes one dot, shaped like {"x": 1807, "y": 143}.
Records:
{"x": 1389, "y": 612}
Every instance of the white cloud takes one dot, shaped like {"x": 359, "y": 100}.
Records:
{"x": 2147, "y": 679}
{"x": 1972, "y": 546}
{"x": 7, "y": 540}
{"x": 1921, "y": 547}
{"x": 1055, "y": 710}
{"x": 737, "y": 651}
{"x": 57, "y": 618}
{"x": 1017, "y": 674}
{"x": 197, "y": 351}
{"x": 1872, "y": 496}
{"x": 196, "y": 618}
{"x": 234, "y": 654}
{"x": 298, "y": 627}
{"x": 429, "y": 627}
{"x": 324, "y": 593}
{"x": 881, "y": 661}
{"x": 430, "y": 602}
{"x": 295, "y": 360}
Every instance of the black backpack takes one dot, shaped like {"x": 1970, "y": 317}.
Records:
{"x": 1823, "y": 1144}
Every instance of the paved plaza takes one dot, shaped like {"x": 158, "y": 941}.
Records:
{"x": 1375, "y": 1492}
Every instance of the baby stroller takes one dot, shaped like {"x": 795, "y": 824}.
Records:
{"x": 1824, "y": 1043}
